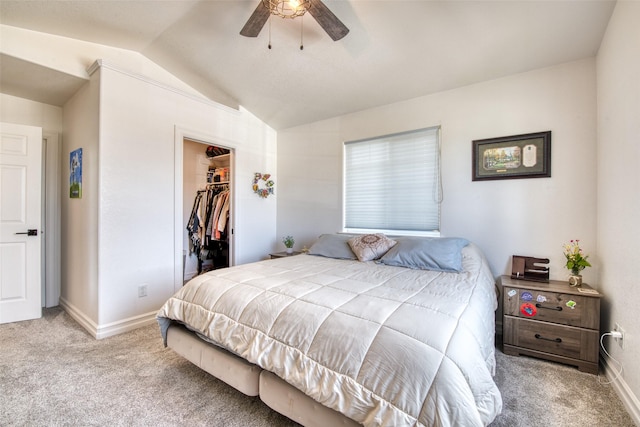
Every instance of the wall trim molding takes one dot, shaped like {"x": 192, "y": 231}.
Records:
{"x": 126, "y": 325}
{"x": 77, "y": 315}
{"x": 109, "y": 329}
{"x": 101, "y": 63}
{"x": 629, "y": 400}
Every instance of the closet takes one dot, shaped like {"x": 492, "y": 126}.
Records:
{"x": 207, "y": 210}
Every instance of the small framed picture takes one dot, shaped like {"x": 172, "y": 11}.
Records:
{"x": 75, "y": 174}
{"x": 507, "y": 157}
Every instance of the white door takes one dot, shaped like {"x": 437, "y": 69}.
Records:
{"x": 20, "y": 221}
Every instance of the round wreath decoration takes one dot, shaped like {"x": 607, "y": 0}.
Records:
{"x": 262, "y": 185}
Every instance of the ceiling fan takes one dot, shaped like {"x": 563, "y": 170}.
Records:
{"x": 291, "y": 9}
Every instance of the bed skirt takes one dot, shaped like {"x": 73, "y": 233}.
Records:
{"x": 253, "y": 380}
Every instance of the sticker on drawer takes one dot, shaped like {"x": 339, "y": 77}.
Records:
{"x": 528, "y": 309}
{"x": 571, "y": 304}
{"x": 526, "y": 296}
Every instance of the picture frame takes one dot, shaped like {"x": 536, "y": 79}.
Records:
{"x": 509, "y": 157}
{"x": 75, "y": 174}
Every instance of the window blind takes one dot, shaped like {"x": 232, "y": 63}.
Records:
{"x": 392, "y": 183}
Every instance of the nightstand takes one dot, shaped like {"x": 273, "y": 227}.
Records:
{"x": 283, "y": 254}
{"x": 552, "y": 321}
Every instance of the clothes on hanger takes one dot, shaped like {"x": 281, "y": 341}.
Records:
{"x": 208, "y": 224}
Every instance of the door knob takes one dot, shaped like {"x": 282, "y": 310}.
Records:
{"x": 30, "y": 232}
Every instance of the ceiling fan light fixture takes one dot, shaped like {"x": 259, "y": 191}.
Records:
{"x": 287, "y": 8}
{"x": 292, "y": 9}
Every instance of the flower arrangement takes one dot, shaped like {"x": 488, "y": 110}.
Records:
{"x": 288, "y": 241}
{"x": 576, "y": 260}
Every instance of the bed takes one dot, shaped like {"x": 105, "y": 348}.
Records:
{"x": 392, "y": 334}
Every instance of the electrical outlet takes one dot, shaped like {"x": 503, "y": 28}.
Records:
{"x": 142, "y": 291}
{"x": 620, "y": 340}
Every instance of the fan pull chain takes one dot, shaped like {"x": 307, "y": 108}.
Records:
{"x": 301, "y": 32}
{"x": 269, "y": 32}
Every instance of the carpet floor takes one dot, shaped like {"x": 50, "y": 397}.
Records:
{"x": 53, "y": 373}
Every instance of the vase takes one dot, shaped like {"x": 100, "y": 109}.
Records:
{"x": 575, "y": 280}
{"x": 289, "y": 250}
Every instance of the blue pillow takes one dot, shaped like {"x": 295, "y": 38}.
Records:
{"x": 333, "y": 246}
{"x": 427, "y": 253}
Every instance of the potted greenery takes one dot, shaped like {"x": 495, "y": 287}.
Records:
{"x": 288, "y": 242}
{"x": 576, "y": 261}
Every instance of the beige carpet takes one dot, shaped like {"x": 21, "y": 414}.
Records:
{"x": 52, "y": 373}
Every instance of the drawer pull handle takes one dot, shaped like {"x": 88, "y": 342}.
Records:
{"x": 549, "y": 308}
{"x": 540, "y": 337}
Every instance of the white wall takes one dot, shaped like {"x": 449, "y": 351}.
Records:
{"x": 618, "y": 68}
{"x": 523, "y": 216}
{"x": 79, "y": 225}
{"x": 25, "y": 112}
{"x": 125, "y": 223}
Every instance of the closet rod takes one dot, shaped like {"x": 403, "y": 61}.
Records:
{"x": 214, "y": 185}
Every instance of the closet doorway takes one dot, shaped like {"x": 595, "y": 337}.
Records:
{"x": 207, "y": 207}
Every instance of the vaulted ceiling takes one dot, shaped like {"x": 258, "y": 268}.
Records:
{"x": 395, "y": 50}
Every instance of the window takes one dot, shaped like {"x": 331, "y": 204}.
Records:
{"x": 392, "y": 184}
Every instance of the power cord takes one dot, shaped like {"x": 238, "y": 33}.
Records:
{"x": 614, "y": 334}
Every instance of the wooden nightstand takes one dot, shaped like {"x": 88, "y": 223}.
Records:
{"x": 283, "y": 254}
{"x": 551, "y": 321}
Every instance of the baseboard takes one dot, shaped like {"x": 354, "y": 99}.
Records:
{"x": 110, "y": 329}
{"x": 127, "y": 325}
{"x": 79, "y": 317}
{"x": 628, "y": 398}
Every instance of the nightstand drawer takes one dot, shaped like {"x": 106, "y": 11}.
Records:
{"x": 555, "y": 307}
{"x": 575, "y": 343}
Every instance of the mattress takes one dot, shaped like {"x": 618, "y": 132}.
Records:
{"x": 379, "y": 344}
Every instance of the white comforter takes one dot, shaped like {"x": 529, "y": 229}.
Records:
{"x": 386, "y": 346}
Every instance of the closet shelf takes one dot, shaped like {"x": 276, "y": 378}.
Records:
{"x": 221, "y": 158}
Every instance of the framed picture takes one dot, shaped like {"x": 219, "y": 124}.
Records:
{"x": 75, "y": 174}
{"x": 517, "y": 156}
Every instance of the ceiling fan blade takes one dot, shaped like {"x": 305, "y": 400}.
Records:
{"x": 256, "y": 21}
{"x": 327, "y": 20}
